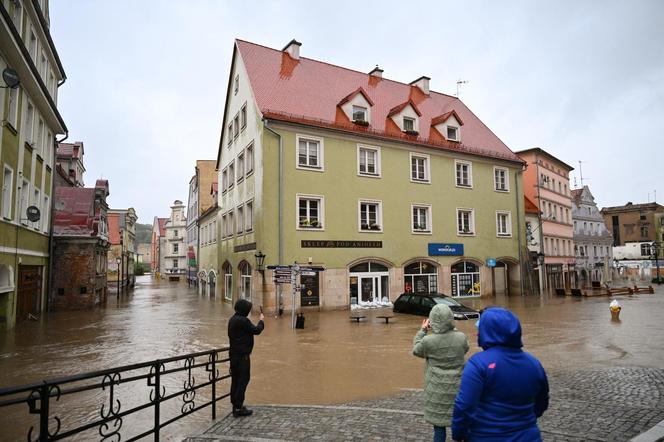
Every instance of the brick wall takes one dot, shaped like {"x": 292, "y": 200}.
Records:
{"x": 76, "y": 284}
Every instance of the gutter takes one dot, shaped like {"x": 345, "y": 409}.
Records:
{"x": 51, "y": 239}
{"x": 519, "y": 230}
{"x": 279, "y": 304}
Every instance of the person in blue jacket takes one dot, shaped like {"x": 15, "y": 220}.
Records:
{"x": 503, "y": 389}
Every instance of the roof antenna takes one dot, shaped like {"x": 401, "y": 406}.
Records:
{"x": 459, "y": 83}
{"x": 581, "y": 171}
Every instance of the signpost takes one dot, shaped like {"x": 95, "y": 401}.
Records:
{"x": 288, "y": 275}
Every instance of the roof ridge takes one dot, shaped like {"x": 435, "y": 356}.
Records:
{"x": 347, "y": 69}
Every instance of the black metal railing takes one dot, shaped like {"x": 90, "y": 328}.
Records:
{"x": 54, "y": 400}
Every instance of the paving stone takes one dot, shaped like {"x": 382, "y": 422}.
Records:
{"x": 612, "y": 404}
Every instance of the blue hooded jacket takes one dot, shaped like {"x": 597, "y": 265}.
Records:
{"x": 503, "y": 389}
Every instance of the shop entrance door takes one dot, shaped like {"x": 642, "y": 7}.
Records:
{"x": 29, "y": 291}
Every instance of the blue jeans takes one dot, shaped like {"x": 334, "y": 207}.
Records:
{"x": 438, "y": 434}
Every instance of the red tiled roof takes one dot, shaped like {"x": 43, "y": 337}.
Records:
{"x": 74, "y": 211}
{"x": 73, "y": 150}
{"x": 443, "y": 118}
{"x": 162, "y": 226}
{"x": 530, "y": 206}
{"x": 307, "y": 91}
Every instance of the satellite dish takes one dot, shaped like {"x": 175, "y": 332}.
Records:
{"x": 60, "y": 205}
{"x": 33, "y": 213}
{"x": 11, "y": 78}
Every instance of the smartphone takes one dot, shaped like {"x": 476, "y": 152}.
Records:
{"x": 261, "y": 307}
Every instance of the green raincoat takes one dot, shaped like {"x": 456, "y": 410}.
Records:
{"x": 444, "y": 348}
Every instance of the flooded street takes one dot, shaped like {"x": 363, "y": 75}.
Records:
{"x": 333, "y": 360}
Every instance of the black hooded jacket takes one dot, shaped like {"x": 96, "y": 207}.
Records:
{"x": 241, "y": 331}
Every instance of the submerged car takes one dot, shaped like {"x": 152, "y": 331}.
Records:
{"x": 422, "y": 303}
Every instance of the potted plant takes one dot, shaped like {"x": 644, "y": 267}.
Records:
{"x": 374, "y": 226}
{"x": 316, "y": 224}
{"x": 364, "y": 226}
{"x": 361, "y": 123}
{"x": 304, "y": 223}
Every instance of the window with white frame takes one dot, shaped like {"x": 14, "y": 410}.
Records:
{"x": 452, "y": 133}
{"x": 48, "y": 146}
{"x": 32, "y": 46}
{"x": 175, "y": 264}
{"x": 249, "y": 216}
{"x": 224, "y": 226}
{"x": 24, "y": 201}
{"x": 360, "y": 113}
{"x": 371, "y": 216}
{"x": 243, "y": 116}
{"x": 236, "y": 125}
{"x": 7, "y": 187}
{"x": 236, "y": 84}
{"x": 309, "y": 152}
{"x": 12, "y": 116}
{"x": 176, "y": 248}
{"x": 29, "y": 123}
{"x": 240, "y": 219}
{"x": 17, "y": 17}
{"x": 421, "y": 218}
{"x": 39, "y": 143}
{"x": 231, "y": 174}
{"x": 249, "y": 160}
{"x": 408, "y": 124}
{"x": 224, "y": 180}
{"x": 368, "y": 160}
{"x": 503, "y": 224}
{"x": 36, "y": 201}
{"x": 464, "y": 173}
{"x": 240, "y": 167}
{"x": 230, "y": 133}
{"x": 214, "y": 230}
{"x": 231, "y": 223}
{"x": 309, "y": 212}
{"x": 419, "y": 168}
{"x": 501, "y": 179}
{"x": 465, "y": 221}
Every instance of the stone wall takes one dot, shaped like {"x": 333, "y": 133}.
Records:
{"x": 75, "y": 283}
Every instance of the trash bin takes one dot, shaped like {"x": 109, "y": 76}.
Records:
{"x": 299, "y": 321}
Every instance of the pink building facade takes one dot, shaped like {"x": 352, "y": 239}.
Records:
{"x": 546, "y": 183}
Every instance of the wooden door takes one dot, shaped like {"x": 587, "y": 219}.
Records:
{"x": 29, "y": 291}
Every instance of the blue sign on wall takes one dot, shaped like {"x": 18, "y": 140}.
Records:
{"x": 490, "y": 262}
{"x": 445, "y": 249}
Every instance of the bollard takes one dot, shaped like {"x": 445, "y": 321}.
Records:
{"x": 299, "y": 321}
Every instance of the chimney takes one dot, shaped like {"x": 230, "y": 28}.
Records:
{"x": 376, "y": 72}
{"x": 422, "y": 83}
{"x": 293, "y": 49}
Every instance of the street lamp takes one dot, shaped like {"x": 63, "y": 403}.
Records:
{"x": 121, "y": 256}
{"x": 655, "y": 252}
{"x": 118, "y": 261}
{"x": 260, "y": 261}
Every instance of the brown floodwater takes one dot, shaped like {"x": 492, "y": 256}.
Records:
{"x": 332, "y": 360}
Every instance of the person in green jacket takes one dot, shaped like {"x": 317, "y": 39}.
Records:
{"x": 444, "y": 348}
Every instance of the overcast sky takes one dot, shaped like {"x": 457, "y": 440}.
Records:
{"x": 146, "y": 80}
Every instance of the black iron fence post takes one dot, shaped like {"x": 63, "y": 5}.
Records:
{"x": 214, "y": 385}
{"x": 157, "y": 400}
{"x": 45, "y": 394}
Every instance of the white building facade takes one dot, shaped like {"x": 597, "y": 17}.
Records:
{"x": 173, "y": 253}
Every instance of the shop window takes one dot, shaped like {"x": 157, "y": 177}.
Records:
{"x": 420, "y": 277}
{"x": 228, "y": 281}
{"x": 369, "y": 284}
{"x": 245, "y": 275}
{"x": 466, "y": 279}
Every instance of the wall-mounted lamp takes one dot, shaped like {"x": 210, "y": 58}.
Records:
{"x": 260, "y": 261}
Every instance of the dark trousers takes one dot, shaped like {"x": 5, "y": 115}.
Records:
{"x": 240, "y": 375}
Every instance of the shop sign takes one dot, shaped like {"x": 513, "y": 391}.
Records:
{"x": 554, "y": 268}
{"x": 245, "y": 247}
{"x": 490, "y": 262}
{"x": 325, "y": 244}
{"x": 309, "y": 291}
{"x": 445, "y": 249}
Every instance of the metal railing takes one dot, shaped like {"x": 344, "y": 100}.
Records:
{"x": 42, "y": 398}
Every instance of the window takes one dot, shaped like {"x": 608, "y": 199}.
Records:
{"x": 245, "y": 275}
{"x": 224, "y": 180}
{"x": 500, "y": 179}
{"x": 594, "y": 250}
{"x": 421, "y": 218}
{"x": 645, "y": 249}
{"x": 175, "y": 234}
{"x": 465, "y": 221}
{"x": 236, "y": 84}
{"x": 419, "y": 168}
{"x": 32, "y": 46}
{"x": 224, "y": 226}
{"x": 249, "y": 163}
{"x": 176, "y": 248}
{"x": 408, "y": 124}
{"x": 243, "y": 116}
{"x": 420, "y": 277}
{"x": 240, "y": 219}
{"x": 36, "y": 201}
{"x": 368, "y": 160}
{"x": 560, "y": 188}
{"x": 39, "y": 143}
{"x": 7, "y": 186}
{"x": 249, "y": 216}
{"x": 464, "y": 173}
{"x": 236, "y": 125}
{"x": 231, "y": 174}
{"x": 309, "y": 212}
{"x": 452, "y": 133}
{"x": 370, "y": 216}
{"x": 48, "y": 153}
{"x": 29, "y": 120}
{"x": 503, "y": 224}
{"x": 240, "y": 167}
{"x": 175, "y": 264}
{"x": 565, "y": 187}
{"x": 567, "y": 215}
{"x": 214, "y": 230}
{"x": 644, "y": 231}
{"x": 359, "y": 113}
{"x": 17, "y": 18}
{"x": 230, "y": 133}
{"x": 12, "y": 117}
{"x": 24, "y": 201}
{"x": 309, "y": 152}
{"x": 228, "y": 281}
{"x": 231, "y": 223}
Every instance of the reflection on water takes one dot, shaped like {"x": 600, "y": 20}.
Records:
{"x": 332, "y": 360}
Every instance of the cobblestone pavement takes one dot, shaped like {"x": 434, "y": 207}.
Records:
{"x": 612, "y": 404}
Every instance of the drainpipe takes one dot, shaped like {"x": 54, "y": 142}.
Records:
{"x": 49, "y": 284}
{"x": 542, "y": 268}
{"x": 518, "y": 233}
{"x": 279, "y": 302}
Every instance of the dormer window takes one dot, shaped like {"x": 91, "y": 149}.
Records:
{"x": 452, "y": 133}
{"x": 408, "y": 124}
{"x": 359, "y": 114}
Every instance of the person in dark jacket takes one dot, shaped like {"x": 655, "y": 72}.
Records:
{"x": 503, "y": 389}
{"x": 241, "y": 338}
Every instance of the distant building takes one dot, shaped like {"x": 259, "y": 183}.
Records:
{"x": 80, "y": 235}
{"x": 172, "y": 250}
{"x": 144, "y": 254}
{"x": 536, "y": 257}
{"x": 208, "y": 254}
{"x": 592, "y": 240}
{"x": 69, "y": 162}
{"x": 546, "y": 183}
{"x": 122, "y": 254}
{"x": 199, "y": 201}
{"x": 632, "y": 222}
{"x": 158, "y": 232}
